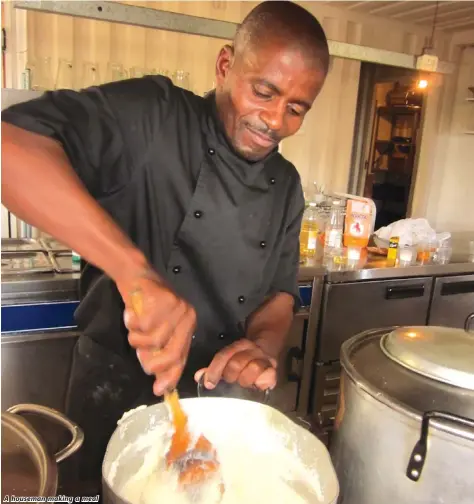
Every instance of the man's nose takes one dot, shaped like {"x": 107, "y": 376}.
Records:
{"x": 273, "y": 117}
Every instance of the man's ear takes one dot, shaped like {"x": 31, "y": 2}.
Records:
{"x": 225, "y": 60}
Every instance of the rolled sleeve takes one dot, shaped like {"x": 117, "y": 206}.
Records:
{"x": 101, "y": 129}
{"x": 286, "y": 277}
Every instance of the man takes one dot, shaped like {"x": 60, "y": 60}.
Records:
{"x": 182, "y": 199}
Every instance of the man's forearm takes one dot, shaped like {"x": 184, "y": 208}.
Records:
{"x": 40, "y": 187}
{"x": 270, "y": 324}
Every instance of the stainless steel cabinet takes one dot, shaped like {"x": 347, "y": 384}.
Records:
{"x": 326, "y": 393}
{"x": 285, "y": 395}
{"x": 349, "y": 308}
{"x": 36, "y": 368}
{"x": 453, "y": 302}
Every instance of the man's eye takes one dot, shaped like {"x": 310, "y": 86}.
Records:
{"x": 261, "y": 94}
{"x": 295, "y": 112}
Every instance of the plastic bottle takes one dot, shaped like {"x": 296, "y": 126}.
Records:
{"x": 310, "y": 228}
{"x": 334, "y": 227}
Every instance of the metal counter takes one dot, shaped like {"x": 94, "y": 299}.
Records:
{"x": 378, "y": 269}
{"x": 65, "y": 286}
{"x": 39, "y": 302}
{"x": 40, "y": 287}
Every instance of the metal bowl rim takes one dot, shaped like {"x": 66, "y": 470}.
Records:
{"x": 376, "y": 393}
{"x": 40, "y": 456}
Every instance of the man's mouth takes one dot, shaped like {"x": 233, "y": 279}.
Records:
{"x": 260, "y": 138}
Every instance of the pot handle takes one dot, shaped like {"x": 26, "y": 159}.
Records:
{"x": 201, "y": 388}
{"x": 54, "y": 415}
{"x": 418, "y": 455}
{"x": 469, "y": 324}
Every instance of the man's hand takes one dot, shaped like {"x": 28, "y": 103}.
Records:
{"x": 243, "y": 362}
{"x": 162, "y": 332}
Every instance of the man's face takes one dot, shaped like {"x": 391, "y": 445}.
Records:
{"x": 263, "y": 96}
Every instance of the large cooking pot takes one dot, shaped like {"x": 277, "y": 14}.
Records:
{"x": 229, "y": 416}
{"x": 28, "y": 469}
{"x": 404, "y": 429}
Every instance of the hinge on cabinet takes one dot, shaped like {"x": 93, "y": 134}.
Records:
{"x": 4, "y": 40}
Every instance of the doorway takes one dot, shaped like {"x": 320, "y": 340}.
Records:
{"x": 387, "y": 139}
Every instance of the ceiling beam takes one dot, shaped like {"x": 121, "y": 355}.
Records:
{"x": 408, "y": 13}
{"x": 454, "y": 13}
{"x": 355, "y": 5}
{"x": 384, "y": 8}
{"x": 462, "y": 28}
{"x": 455, "y": 23}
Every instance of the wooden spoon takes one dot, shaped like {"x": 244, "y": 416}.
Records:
{"x": 196, "y": 464}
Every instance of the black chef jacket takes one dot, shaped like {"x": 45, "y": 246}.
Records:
{"x": 222, "y": 231}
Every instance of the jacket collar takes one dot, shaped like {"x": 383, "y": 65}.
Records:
{"x": 254, "y": 174}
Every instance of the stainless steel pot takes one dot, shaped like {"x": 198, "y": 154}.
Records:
{"x": 27, "y": 467}
{"x": 404, "y": 429}
{"x": 232, "y": 417}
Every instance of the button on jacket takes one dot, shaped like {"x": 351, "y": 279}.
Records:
{"x": 222, "y": 231}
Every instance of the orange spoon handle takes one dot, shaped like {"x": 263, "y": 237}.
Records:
{"x": 181, "y": 436}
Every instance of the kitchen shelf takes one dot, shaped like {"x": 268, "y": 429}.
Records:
{"x": 396, "y": 110}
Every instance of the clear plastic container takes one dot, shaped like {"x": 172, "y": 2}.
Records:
{"x": 334, "y": 227}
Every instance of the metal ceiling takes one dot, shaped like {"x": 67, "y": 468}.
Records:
{"x": 452, "y": 16}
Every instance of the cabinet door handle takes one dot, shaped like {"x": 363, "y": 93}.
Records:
{"x": 452, "y": 288}
{"x": 294, "y": 353}
{"x": 405, "y": 291}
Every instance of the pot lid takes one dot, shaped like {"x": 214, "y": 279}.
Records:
{"x": 440, "y": 353}
{"x": 26, "y": 467}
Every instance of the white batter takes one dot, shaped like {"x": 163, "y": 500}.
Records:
{"x": 252, "y": 471}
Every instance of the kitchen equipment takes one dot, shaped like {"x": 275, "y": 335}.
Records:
{"x": 52, "y": 245}
{"x": 374, "y": 303}
{"x": 20, "y": 245}
{"x": 27, "y": 467}
{"x": 405, "y": 421}
{"x": 20, "y": 263}
{"x": 195, "y": 463}
{"x": 452, "y": 302}
{"x": 63, "y": 262}
{"x": 224, "y": 389}
{"x": 230, "y": 418}
{"x": 116, "y": 72}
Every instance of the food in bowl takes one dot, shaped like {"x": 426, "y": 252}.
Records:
{"x": 259, "y": 462}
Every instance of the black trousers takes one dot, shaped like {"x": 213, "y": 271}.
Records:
{"x": 102, "y": 387}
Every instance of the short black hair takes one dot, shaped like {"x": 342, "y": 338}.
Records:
{"x": 286, "y": 21}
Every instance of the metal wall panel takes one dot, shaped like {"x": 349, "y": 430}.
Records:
{"x": 321, "y": 150}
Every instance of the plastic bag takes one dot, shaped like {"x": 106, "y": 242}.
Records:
{"x": 410, "y": 231}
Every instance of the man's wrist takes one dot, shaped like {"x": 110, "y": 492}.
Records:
{"x": 265, "y": 341}
{"x": 131, "y": 269}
